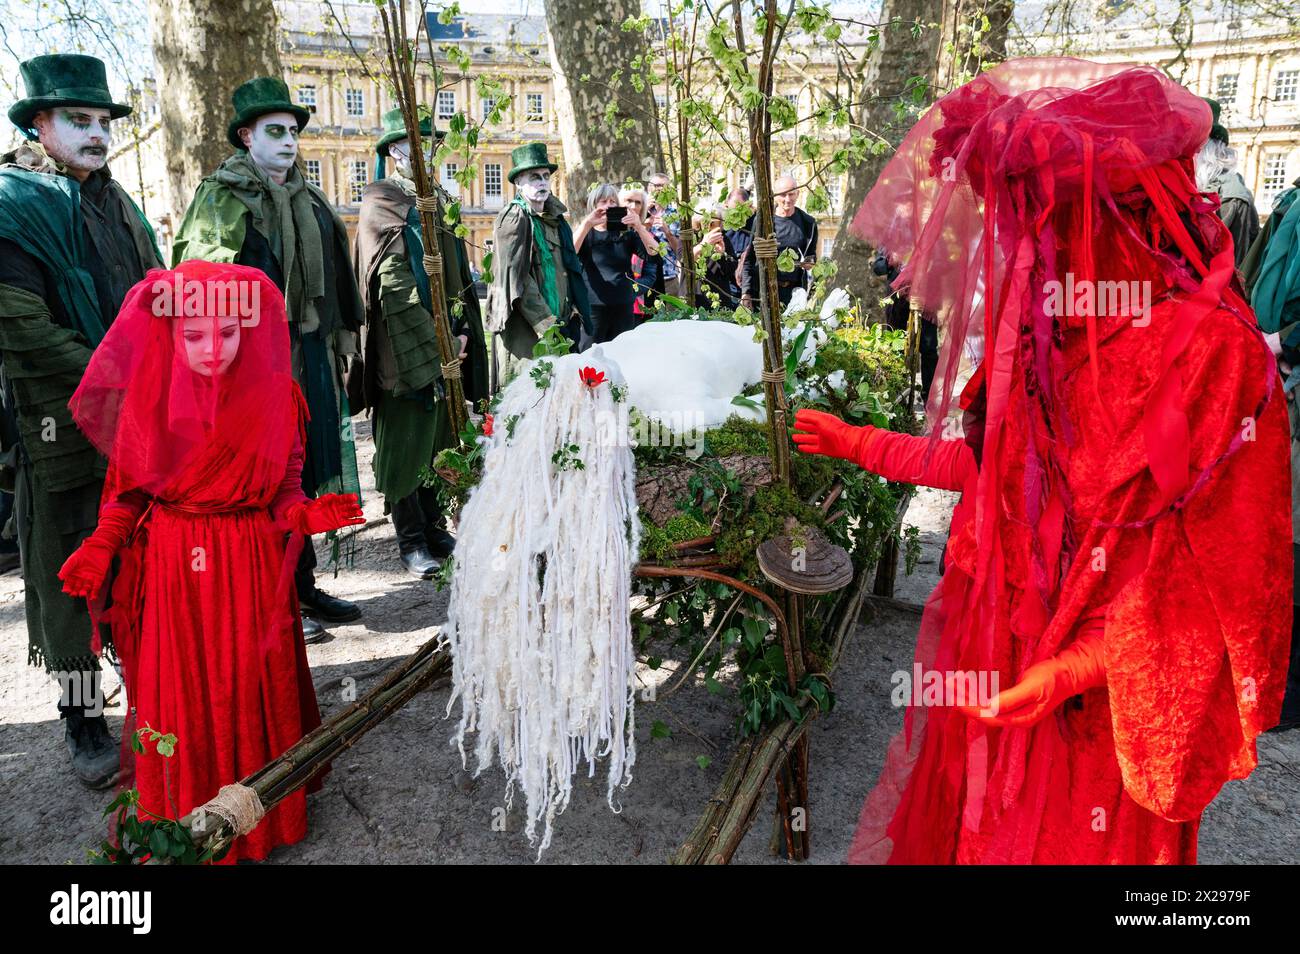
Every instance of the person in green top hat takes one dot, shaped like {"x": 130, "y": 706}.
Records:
{"x": 1216, "y": 172}
{"x": 72, "y": 243}
{"x": 402, "y": 378}
{"x": 537, "y": 276}
{"x": 258, "y": 209}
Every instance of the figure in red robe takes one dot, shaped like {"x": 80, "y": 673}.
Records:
{"x": 192, "y": 400}
{"x": 1122, "y": 453}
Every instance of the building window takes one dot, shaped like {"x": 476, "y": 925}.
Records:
{"x": 835, "y": 195}
{"x": 355, "y": 100}
{"x": 449, "y": 170}
{"x": 307, "y": 97}
{"x": 661, "y": 100}
{"x": 1273, "y": 180}
{"x": 534, "y": 105}
{"x": 792, "y": 99}
{"x": 492, "y": 184}
{"x": 357, "y": 180}
{"x": 489, "y": 104}
{"x": 1225, "y": 91}
{"x": 1285, "y": 85}
{"x": 312, "y": 169}
{"x": 446, "y": 103}
{"x": 828, "y": 247}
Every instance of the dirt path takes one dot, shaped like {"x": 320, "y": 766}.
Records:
{"x": 402, "y": 796}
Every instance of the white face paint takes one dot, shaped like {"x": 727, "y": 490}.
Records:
{"x": 77, "y": 136}
{"x": 400, "y": 153}
{"x": 535, "y": 185}
{"x": 272, "y": 143}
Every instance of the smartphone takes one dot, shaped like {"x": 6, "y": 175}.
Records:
{"x": 614, "y": 218}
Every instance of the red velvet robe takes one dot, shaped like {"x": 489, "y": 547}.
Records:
{"x": 1194, "y": 607}
{"x": 213, "y": 649}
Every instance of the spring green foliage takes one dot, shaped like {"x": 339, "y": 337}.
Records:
{"x": 137, "y": 835}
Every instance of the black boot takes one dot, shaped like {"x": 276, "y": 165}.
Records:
{"x": 436, "y": 538}
{"x": 312, "y": 630}
{"x": 96, "y": 755}
{"x": 320, "y": 605}
{"x": 408, "y": 521}
{"x": 1290, "y": 718}
{"x": 420, "y": 563}
{"x": 315, "y": 604}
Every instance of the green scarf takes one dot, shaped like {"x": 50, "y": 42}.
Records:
{"x": 290, "y": 227}
{"x": 549, "y": 289}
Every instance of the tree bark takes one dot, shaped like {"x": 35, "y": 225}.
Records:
{"x": 607, "y": 125}
{"x": 898, "y": 57}
{"x": 204, "y": 49}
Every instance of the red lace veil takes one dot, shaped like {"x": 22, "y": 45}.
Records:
{"x": 145, "y": 408}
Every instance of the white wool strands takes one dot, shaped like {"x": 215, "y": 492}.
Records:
{"x": 539, "y": 625}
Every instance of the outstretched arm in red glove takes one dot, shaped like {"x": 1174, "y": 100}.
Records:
{"x": 325, "y": 513}
{"x": 894, "y": 456}
{"x": 83, "y": 573}
{"x": 1045, "y": 685}
{"x": 296, "y": 511}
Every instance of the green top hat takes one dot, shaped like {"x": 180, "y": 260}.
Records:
{"x": 1216, "y": 131}
{"x": 257, "y": 97}
{"x": 63, "y": 79}
{"x": 395, "y": 128}
{"x": 531, "y": 155}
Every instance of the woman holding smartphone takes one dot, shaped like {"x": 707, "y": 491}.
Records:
{"x": 606, "y": 241}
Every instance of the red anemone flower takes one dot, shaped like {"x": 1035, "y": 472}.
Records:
{"x": 591, "y": 377}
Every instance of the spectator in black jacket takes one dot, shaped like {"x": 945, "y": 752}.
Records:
{"x": 796, "y": 230}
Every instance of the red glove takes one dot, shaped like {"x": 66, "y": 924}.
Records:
{"x": 84, "y": 572}
{"x": 325, "y": 513}
{"x": 816, "y": 432}
{"x": 1045, "y": 685}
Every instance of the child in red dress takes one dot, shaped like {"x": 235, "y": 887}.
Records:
{"x": 191, "y": 398}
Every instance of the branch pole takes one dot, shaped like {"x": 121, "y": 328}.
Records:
{"x": 400, "y": 54}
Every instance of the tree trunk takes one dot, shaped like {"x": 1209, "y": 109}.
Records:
{"x": 607, "y": 126}
{"x": 899, "y": 57}
{"x": 204, "y": 49}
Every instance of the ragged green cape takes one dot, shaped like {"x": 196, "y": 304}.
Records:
{"x": 59, "y": 473}
{"x": 402, "y": 373}
{"x": 215, "y": 228}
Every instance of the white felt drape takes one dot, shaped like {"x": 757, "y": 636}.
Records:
{"x": 538, "y": 625}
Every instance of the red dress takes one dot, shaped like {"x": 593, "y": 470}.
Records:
{"x": 205, "y": 457}
{"x": 214, "y": 658}
{"x": 1193, "y": 612}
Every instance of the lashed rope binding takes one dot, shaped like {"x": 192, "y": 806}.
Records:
{"x": 238, "y": 805}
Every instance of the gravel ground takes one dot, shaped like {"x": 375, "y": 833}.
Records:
{"x": 401, "y": 794}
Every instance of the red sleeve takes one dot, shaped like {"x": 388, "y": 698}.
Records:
{"x": 1196, "y": 643}
{"x": 118, "y": 517}
{"x": 903, "y": 457}
{"x": 290, "y": 490}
